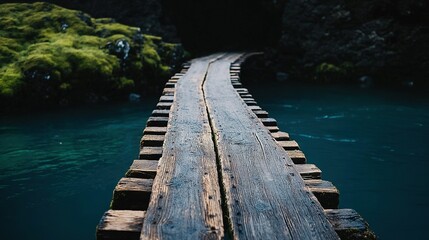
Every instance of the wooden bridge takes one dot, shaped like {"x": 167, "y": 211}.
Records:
{"x": 213, "y": 165}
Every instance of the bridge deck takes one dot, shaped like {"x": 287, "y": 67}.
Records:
{"x": 224, "y": 170}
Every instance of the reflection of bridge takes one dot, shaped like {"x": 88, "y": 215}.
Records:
{"x": 212, "y": 165}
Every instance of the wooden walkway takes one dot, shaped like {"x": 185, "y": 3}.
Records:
{"x": 212, "y": 165}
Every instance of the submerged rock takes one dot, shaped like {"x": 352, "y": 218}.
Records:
{"x": 133, "y": 97}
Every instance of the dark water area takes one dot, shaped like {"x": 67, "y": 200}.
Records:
{"x": 372, "y": 144}
{"x": 58, "y": 169}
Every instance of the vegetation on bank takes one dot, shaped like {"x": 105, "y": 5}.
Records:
{"x": 53, "y": 55}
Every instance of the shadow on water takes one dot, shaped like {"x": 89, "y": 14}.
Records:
{"x": 58, "y": 169}
{"x": 372, "y": 144}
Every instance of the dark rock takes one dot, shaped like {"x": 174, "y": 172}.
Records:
{"x": 383, "y": 38}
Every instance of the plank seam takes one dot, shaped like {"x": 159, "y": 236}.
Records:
{"x": 227, "y": 224}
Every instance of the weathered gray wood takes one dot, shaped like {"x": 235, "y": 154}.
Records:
{"x": 242, "y": 90}
{"x": 297, "y": 156}
{"x": 273, "y": 128}
{"x": 280, "y": 136}
{"x": 155, "y": 130}
{"x": 186, "y": 200}
{"x": 152, "y": 140}
{"x": 132, "y": 194}
{"x": 265, "y": 196}
{"x": 143, "y": 169}
{"x": 120, "y": 225}
{"x": 170, "y": 85}
{"x": 163, "y": 105}
{"x": 251, "y": 103}
{"x": 261, "y": 113}
{"x": 255, "y": 108}
{"x": 166, "y": 99}
{"x": 160, "y": 113}
{"x": 269, "y": 122}
{"x": 309, "y": 171}
{"x": 237, "y": 85}
{"x": 168, "y": 91}
{"x": 349, "y": 224}
{"x": 246, "y": 96}
{"x": 326, "y": 193}
{"x": 157, "y": 122}
{"x": 150, "y": 153}
{"x": 289, "y": 145}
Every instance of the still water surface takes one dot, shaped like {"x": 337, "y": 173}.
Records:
{"x": 372, "y": 144}
{"x": 58, "y": 169}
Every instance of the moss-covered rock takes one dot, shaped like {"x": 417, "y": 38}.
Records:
{"x": 49, "y": 54}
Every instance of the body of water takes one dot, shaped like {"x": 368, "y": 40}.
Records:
{"x": 58, "y": 169}
{"x": 372, "y": 144}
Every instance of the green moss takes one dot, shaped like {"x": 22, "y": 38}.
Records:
{"x": 328, "y": 72}
{"x": 51, "y": 49}
{"x": 10, "y": 77}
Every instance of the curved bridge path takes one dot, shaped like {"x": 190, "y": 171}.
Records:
{"x": 212, "y": 165}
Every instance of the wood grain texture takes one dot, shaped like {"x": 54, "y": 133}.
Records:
{"x": 297, "y": 156}
{"x": 265, "y": 196}
{"x": 120, "y": 224}
{"x": 186, "y": 200}
{"x": 349, "y": 224}
{"x": 152, "y": 140}
{"x": 132, "y": 194}
{"x": 309, "y": 171}
{"x": 143, "y": 169}
{"x": 327, "y": 194}
{"x": 155, "y": 130}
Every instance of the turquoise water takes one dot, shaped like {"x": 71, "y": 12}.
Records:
{"x": 58, "y": 169}
{"x": 372, "y": 144}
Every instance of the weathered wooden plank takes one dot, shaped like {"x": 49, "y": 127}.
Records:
{"x": 280, "y": 136}
{"x": 266, "y": 198}
{"x": 297, "y": 156}
{"x": 251, "y": 103}
{"x": 164, "y": 105}
{"x": 261, "y": 113}
{"x": 152, "y": 140}
{"x": 246, "y": 95}
{"x": 255, "y": 108}
{"x": 289, "y": 145}
{"x": 143, "y": 169}
{"x": 150, "y": 153}
{"x": 326, "y": 193}
{"x": 186, "y": 200}
{"x": 168, "y": 91}
{"x": 309, "y": 171}
{"x": 132, "y": 194}
{"x": 273, "y": 128}
{"x": 157, "y": 122}
{"x": 166, "y": 99}
{"x": 161, "y": 113}
{"x": 237, "y": 85}
{"x": 170, "y": 85}
{"x": 242, "y": 90}
{"x": 349, "y": 224}
{"x": 155, "y": 130}
{"x": 269, "y": 122}
{"x": 120, "y": 225}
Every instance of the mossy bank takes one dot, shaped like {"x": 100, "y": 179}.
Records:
{"x": 55, "y": 56}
